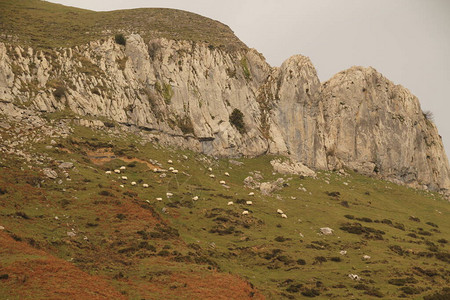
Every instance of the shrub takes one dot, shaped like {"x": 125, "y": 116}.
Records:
{"x": 237, "y": 120}
{"x": 301, "y": 262}
{"x": 120, "y": 39}
{"x": 59, "y": 92}
{"x": 245, "y": 68}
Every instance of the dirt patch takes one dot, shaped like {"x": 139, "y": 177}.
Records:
{"x": 34, "y": 274}
{"x": 200, "y": 285}
{"x": 104, "y": 155}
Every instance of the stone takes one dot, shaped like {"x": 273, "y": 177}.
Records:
{"x": 66, "y": 165}
{"x": 292, "y": 168}
{"x": 50, "y": 173}
{"x": 326, "y": 231}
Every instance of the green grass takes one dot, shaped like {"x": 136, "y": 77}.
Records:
{"x": 248, "y": 246}
{"x": 45, "y": 25}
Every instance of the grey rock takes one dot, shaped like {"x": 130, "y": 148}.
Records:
{"x": 66, "y": 165}
{"x": 50, "y": 173}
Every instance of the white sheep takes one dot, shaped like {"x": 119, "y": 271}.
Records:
{"x": 170, "y": 161}
{"x": 195, "y": 198}
{"x": 245, "y": 212}
{"x": 284, "y": 216}
{"x": 171, "y": 168}
{"x": 366, "y": 257}
{"x": 155, "y": 170}
{"x": 133, "y": 183}
{"x": 158, "y": 199}
{"x": 121, "y": 185}
{"x": 222, "y": 182}
{"x": 354, "y": 277}
{"x": 280, "y": 211}
{"x": 122, "y": 168}
{"x": 230, "y": 203}
{"x": 249, "y": 203}
{"x": 342, "y": 252}
{"x": 227, "y": 174}
{"x": 108, "y": 172}
{"x": 212, "y": 176}
{"x": 175, "y": 171}
{"x": 251, "y": 194}
{"x": 117, "y": 171}
{"x": 169, "y": 195}
{"x": 210, "y": 169}
{"x": 124, "y": 178}
{"x": 145, "y": 185}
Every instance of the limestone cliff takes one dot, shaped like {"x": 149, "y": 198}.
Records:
{"x": 183, "y": 93}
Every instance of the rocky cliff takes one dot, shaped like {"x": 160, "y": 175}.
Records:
{"x": 184, "y": 93}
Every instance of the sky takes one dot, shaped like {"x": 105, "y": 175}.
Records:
{"x": 408, "y": 41}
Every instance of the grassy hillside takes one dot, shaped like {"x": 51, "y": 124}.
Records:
{"x": 46, "y": 25}
{"x": 141, "y": 248}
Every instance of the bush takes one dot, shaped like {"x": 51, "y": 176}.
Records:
{"x": 59, "y": 92}
{"x": 120, "y": 39}
{"x": 237, "y": 120}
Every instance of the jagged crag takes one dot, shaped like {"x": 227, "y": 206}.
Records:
{"x": 183, "y": 91}
{"x": 170, "y": 78}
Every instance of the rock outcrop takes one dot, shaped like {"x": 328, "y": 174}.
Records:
{"x": 183, "y": 93}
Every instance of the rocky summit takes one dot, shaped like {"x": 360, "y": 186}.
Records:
{"x": 184, "y": 93}
{"x": 150, "y": 154}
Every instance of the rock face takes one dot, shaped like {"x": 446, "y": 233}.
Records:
{"x": 183, "y": 93}
{"x": 374, "y": 126}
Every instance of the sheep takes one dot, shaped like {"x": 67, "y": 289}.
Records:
{"x": 133, "y": 183}
{"x": 222, "y": 182}
{"x": 121, "y": 185}
{"x": 366, "y": 257}
{"x": 249, "y": 203}
{"x": 145, "y": 185}
{"x": 245, "y": 212}
{"x": 280, "y": 211}
{"x": 251, "y": 194}
{"x": 108, "y": 172}
{"x": 155, "y": 170}
{"x": 171, "y": 168}
{"x": 122, "y": 168}
{"x": 195, "y": 198}
{"x": 354, "y": 277}
{"x": 170, "y": 161}
{"x": 175, "y": 171}
{"x": 210, "y": 169}
{"x": 212, "y": 175}
{"x": 124, "y": 178}
{"x": 230, "y": 203}
{"x": 169, "y": 195}
{"x": 158, "y": 199}
{"x": 227, "y": 174}
{"x": 283, "y": 216}
{"x": 117, "y": 171}
{"x": 342, "y": 252}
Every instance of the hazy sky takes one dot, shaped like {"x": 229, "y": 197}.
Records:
{"x": 408, "y": 41}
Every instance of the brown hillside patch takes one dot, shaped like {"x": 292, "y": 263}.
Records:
{"x": 34, "y": 274}
{"x": 103, "y": 155}
{"x": 200, "y": 285}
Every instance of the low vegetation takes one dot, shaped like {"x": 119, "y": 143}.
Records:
{"x": 124, "y": 243}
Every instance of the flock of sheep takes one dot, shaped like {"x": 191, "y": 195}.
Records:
{"x": 195, "y": 198}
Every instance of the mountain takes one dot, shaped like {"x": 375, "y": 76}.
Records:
{"x": 182, "y": 83}
{"x": 149, "y": 153}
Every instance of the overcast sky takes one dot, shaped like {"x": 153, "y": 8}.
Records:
{"x": 408, "y": 41}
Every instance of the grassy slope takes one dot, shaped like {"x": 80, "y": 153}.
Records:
{"x": 47, "y": 25}
{"x": 145, "y": 253}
